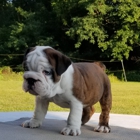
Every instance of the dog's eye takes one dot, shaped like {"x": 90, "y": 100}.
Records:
{"x": 47, "y": 72}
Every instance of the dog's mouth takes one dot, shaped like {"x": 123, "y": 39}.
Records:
{"x": 36, "y": 84}
{"x": 32, "y": 92}
{"x": 31, "y": 86}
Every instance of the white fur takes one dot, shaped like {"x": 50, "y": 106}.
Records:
{"x": 102, "y": 129}
{"x": 36, "y": 60}
{"x": 60, "y": 93}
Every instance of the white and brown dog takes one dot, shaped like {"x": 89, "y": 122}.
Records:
{"x": 52, "y": 77}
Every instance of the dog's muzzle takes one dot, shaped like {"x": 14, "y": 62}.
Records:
{"x": 36, "y": 84}
{"x": 31, "y": 83}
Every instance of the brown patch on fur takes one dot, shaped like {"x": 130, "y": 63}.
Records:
{"x": 58, "y": 61}
{"x": 87, "y": 114}
{"x": 91, "y": 84}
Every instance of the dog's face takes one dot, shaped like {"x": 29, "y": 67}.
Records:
{"x": 43, "y": 69}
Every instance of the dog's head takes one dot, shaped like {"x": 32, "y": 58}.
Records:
{"x": 43, "y": 67}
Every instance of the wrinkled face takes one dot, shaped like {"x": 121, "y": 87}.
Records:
{"x": 43, "y": 69}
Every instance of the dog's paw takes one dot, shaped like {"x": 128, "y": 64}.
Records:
{"x": 102, "y": 129}
{"x": 71, "y": 131}
{"x": 31, "y": 123}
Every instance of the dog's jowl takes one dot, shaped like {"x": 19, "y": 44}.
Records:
{"x": 53, "y": 77}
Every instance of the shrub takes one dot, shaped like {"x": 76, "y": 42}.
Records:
{"x": 6, "y": 73}
{"x": 130, "y": 75}
{"x": 5, "y": 70}
{"x": 133, "y": 76}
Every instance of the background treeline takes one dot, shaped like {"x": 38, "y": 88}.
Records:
{"x": 88, "y": 29}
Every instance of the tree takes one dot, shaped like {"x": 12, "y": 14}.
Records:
{"x": 113, "y": 26}
{"x": 91, "y": 29}
{"x": 27, "y": 26}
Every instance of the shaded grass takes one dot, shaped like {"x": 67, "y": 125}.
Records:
{"x": 126, "y": 96}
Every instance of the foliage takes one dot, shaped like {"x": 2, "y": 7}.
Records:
{"x": 91, "y": 29}
{"x": 111, "y": 25}
{"x": 133, "y": 76}
{"x": 5, "y": 70}
{"x": 7, "y": 74}
{"x": 119, "y": 76}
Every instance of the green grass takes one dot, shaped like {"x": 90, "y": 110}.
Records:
{"x": 126, "y": 96}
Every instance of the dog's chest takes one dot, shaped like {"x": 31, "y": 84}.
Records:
{"x": 60, "y": 101}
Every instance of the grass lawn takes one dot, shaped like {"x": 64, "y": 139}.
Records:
{"x": 126, "y": 97}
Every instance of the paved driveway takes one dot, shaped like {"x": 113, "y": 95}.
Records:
{"x": 123, "y": 127}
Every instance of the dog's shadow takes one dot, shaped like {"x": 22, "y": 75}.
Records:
{"x": 51, "y": 130}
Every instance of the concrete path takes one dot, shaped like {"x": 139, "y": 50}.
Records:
{"x": 123, "y": 127}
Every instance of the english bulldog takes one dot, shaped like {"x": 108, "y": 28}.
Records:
{"x": 53, "y": 77}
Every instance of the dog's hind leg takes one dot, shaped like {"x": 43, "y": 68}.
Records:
{"x": 106, "y": 103}
{"x": 87, "y": 113}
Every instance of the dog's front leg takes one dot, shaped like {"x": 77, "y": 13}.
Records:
{"x": 74, "y": 119}
{"x": 39, "y": 113}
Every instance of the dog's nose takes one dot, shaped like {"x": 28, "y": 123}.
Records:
{"x": 31, "y": 81}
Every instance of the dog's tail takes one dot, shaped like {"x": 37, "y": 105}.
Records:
{"x": 101, "y": 65}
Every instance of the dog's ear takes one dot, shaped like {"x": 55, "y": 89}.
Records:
{"x": 28, "y": 50}
{"x": 24, "y": 58}
{"x": 59, "y": 61}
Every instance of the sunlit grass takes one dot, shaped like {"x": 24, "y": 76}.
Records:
{"x": 126, "y": 96}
